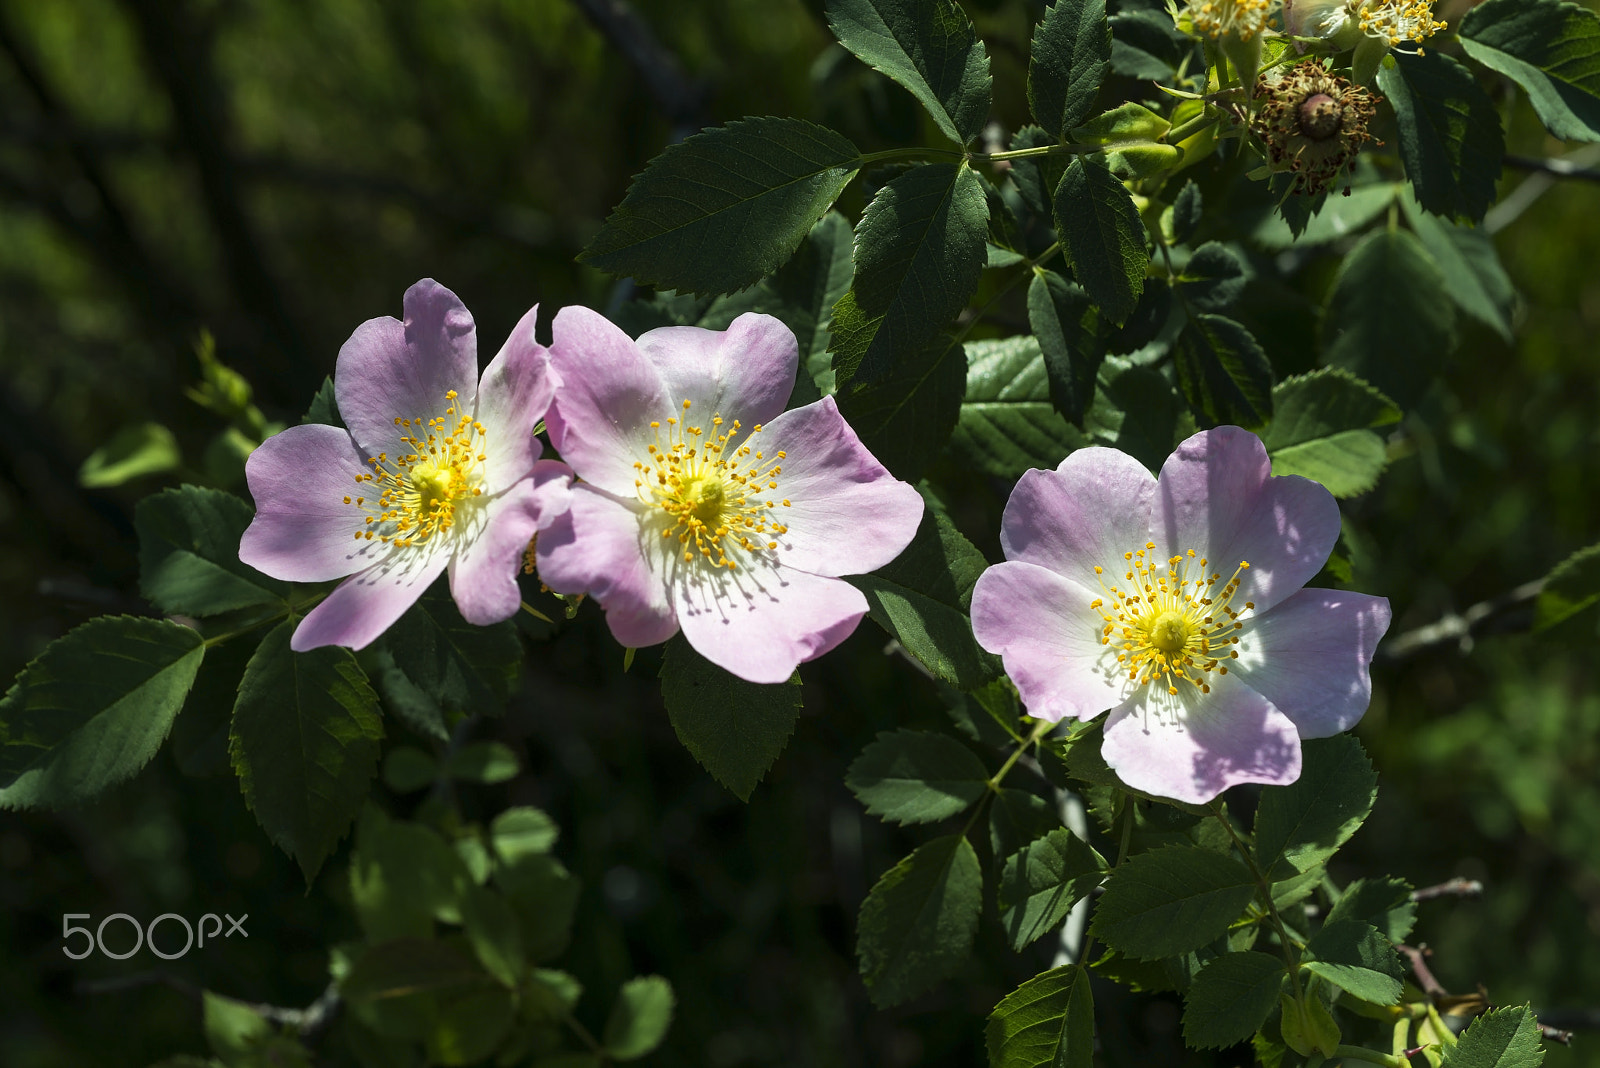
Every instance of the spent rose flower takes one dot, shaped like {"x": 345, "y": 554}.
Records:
{"x": 703, "y": 505}
{"x": 1177, "y": 603}
{"x": 437, "y": 471}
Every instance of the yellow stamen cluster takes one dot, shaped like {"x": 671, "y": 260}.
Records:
{"x": 1398, "y": 20}
{"x": 1171, "y": 627}
{"x": 1238, "y": 19}
{"x": 419, "y": 490}
{"x": 711, "y": 493}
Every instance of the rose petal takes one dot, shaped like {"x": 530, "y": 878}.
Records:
{"x": 1217, "y": 498}
{"x": 599, "y": 548}
{"x": 303, "y": 531}
{"x": 1086, "y": 513}
{"x": 1041, "y": 625}
{"x": 390, "y": 369}
{"x": 1192, "y": 746}
{"x": 483, "y": 573}
{"x": 515, "y": 393}
{"x": 745, "y": 372}
{"x": 1312, "y": 656}
{"x": 600, "y": 421}
{"x": 847, "y": 514}
{"x": 366, "y": 604}
{"x": 762, "y": 623}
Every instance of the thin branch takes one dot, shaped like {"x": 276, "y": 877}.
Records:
{"x": 1417, "y": 956}
{"x": 1461, "y": 628}
{"x": 310, "y": 1023}
{"x": 1457, "y": 887}
{"x": 1555, "y": 167}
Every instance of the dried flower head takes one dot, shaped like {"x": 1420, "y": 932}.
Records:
{"x": 1240, "y": 20}
{"x": 1312, "y": 123}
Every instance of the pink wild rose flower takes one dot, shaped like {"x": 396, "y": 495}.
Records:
{"x": 1177, "y": 603}
{"x": 437, "y": 471}
{"x": 703, "y": 505}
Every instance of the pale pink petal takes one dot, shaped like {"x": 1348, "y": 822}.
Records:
{"x": 847, "y": 514}
{"x": 303, "y": 531}
{"x": 366, "y": 604}
{"x": 1049, "y": 639}
{"x": 1192, "y": 746}
{"x": 1312, "y": 657}
{"x": 745, "y": 372}
{"x": 1217, "y": 498}
{"x": 516, "y": 391}
{"x": 761, "y": 622}
{"x": 599, "y": 547}
{"x": 483, "y": 573}
{"x": 600, "y": 421}
{"x": 1086, "y": 513}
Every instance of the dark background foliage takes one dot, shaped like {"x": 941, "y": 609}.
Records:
{"x": 277, "y": 171}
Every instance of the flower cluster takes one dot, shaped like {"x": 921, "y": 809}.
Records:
{"x": 1240, "y": 20}
{"x": 1389, "y": 22}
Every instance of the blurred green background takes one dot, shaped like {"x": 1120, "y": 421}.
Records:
{"x": 277, "y": 171}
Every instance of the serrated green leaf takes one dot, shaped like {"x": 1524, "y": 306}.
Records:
{"x": 1338, "y": 218}
{"x": 1304, "y": 823}
{"x": 189, "y": 554}
{"x": 639, "y": 1018}
{"x": 717, "y": 211}
{"x": 1320, "y": 429}
{"x": 1007, "y": 423}
{"x": 929, "y": 47}
{"x": 1212, "y": 279}
{"x": 1450, "y": 138}
{"x": 918, "y": 257}
{"x": 1018, "y": 817}
{"x": 1138, "y": 413}
{"x": 1171, "y": 901}
{"x": 434, "y": 667}
{"x": 304, "y": 743}
{"x": 916, "y": 777}
{"x": 1470, "y": 264}
{"x": 734, "y": 728}
{"x": 1042, "y": 881}
{"x": 403, "y": 876}
{"x": 1047, "y": 1021}
{"x": 1384, "y": 903}
{"x": 1145, "y": 44}
{"x": 1504, "y": 1038}
{"x": 1223, "y": 373}
{"x": 917, "y": 924}
{"x": 92, "y": 709}
{"x": 1067, "y": 326}
{"x": 324, "y": 406}
{"x": 906, "y": 417}
{"x": 1572, "y": 586}
{"x": 1070, "y": 56}
{"x": 1230, "y": 998}
{"x": 1187, "y": 212}
{"x": 134, "y": 451}
{"x": 1036, "y": 177}
{"x": 1549, "y": 47}
{"x": 1104, "y": 235}
{"x": 1356, "y": 957}
{"x": 1389, "y": 319}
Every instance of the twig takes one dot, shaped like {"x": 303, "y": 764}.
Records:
{"x": 309, "y": 1023}
{"x": 1417, "y": 956}
{"x": 1457, "y": 887}
{"x": 1556, "y": 168}
{"x": 1460, "y": 628}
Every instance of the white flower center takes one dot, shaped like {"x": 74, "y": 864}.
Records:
{"x": 420, "y": 490}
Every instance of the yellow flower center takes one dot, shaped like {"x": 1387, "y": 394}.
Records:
{"x": 1171, "y": 626}
{"x": 420, "y": 490}
{"x": 1398, "y": 20}
{"x": 1239, "y": 19}
{"x": 711, "y": 494}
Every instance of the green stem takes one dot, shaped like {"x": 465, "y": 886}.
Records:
{"x": 923, "y": 152}
{"x": 1184, "y": 131}
{"x": 289, "y": 609}
{"x": 587, "y": 1039}
{"x": 1264, "y": 888}
{"x": 535, "y": 613}
{"x": 1028, "y": 267}
{"x": 1371, "y": 1056}
{"x": 1040, "y": 729}
{"x": 1039, "y": 150}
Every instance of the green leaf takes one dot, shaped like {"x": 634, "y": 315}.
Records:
{"x": 1470, "y": 264}
{"x": 1212, "y": 279}
{"x": 1042, "y": 881}
{"x": 1223, "y": 373}
{"x": 918, "y": 922}
{"x": 403, "y": 876}
{"x": 1047, "y": 1021}
{"x": 1384, "y": 903}
{"x": 1104, "y": 235}
{"x": 434, "y": 667}
{"x": 1307, "y": 1026}
{"x": 485, "y": 762}
{"x": 905, "y": 418}
{"x": 1070, "y": 57}
{"x": 1551, "y": 49}
{"x": 717, "y": 211}
{"x": 492, "y": 929}
{"x": 1067, "y": 326}
{"x": 430, "y": 992}
{"x": 1036, "y": 177}
{"x": 304, "y": 744}
{"x": 1170, "y": 901}
{"x": 1146, "y": 45}
{"x": 1137, "y": 412}
{"x": 1007, "y": 422}
{"x": 1321, "y": 429}
{"x": 324, "y": 406}
{"x": 1187, "y": 212}
{"x": 1301, "y": 825}
{"x": 133, "y": 451}
{"x": 544, "y": 895}
{"x": 1572, "y": 586}
{"x": 189, "y": 554}
{"x": 1504, "y": 1038}
{"x": 919, "y": 253}
{"x": 522, "y": 831}
{"x": 1389, "y": 318}
{"x": 1338, "y": 218}
{"x": 232, "y": 1028}
{"x": 1450, "y": 135}
{"x": 929, "y": 47}
{"x": 639, "y": 1019}
{"x": 916, "y": 777}
{"x": 734, "y": 728}
{"x": 1357, "y": 958}
{"x": 921, "y": 599}
{"x": 1230, "y": 998}
{"x": 92, "y": 709}
{"x": 1018, "y": 817}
